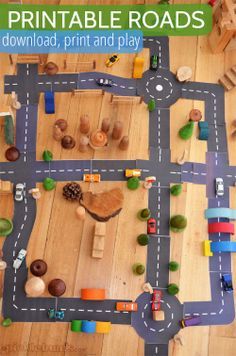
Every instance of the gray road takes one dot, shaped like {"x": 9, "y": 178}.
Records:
{"x": 163, "y": 87}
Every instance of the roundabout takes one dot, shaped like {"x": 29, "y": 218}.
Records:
{"x": 157, "y": 331}
{"x": 161, "y": 86}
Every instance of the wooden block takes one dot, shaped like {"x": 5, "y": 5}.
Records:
{"x": 6, "y": 187}
{"x": 226, "y": 83}
{"x": 158, "y": 315}
{"x": 99, "y": 243}
{"x": 100, "y": 229}
{"x": 28, "y": 58}
{"x": 97, "y": 254}
{"x": 231, "y": 76}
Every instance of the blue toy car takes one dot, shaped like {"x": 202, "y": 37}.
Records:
{"x": 56, "y": 314}
{"x": 227, "y": 283}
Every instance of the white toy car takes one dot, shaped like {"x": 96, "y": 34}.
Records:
{"x": 104, "y": 82}
{"x": 19, "y": 192}
{"x": 219, "y": 187}
{"x": 19, "y": 259}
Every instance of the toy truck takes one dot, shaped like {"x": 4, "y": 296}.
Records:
{"x": 99, "y": 240}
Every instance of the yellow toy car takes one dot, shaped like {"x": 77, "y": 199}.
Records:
{"x": 132, "y": 173}
{"x": 92, "y": 178}
{"x": 112, "y": 60}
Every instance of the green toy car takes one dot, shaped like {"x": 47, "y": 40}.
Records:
{"x": 154, "y": 62}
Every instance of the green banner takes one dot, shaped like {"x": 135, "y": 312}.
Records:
{"x": 157, "y": 20}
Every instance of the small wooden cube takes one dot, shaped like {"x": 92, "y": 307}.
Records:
{"x": 100, "y": 229}
{"x": 99, "y": 243}
{"x": 158, "y": 315}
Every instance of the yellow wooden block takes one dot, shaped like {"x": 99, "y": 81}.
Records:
{"x": 207, "y": 248}
{"x": 103, "y": 327}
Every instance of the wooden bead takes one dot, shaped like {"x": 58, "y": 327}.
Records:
{"x": 124, "y": 143}
{"x": 117, "y": 130}
{"x": 83, "y": 143}
{"x": 195, "y": 115}
{"x": 106, "y": 125}
{"x": 80, "y": 213}
{"x": 57, "y": 133}
{"x": 84, "y": 124}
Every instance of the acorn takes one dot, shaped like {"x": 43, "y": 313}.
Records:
{"x": 106, "y": 125}
{"x": 124, "y": 143}
{"x": 84, "y": 124}
{"x": 117, "y": 130}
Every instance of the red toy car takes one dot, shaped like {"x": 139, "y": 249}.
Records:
{"x": 151, "y": 226}
{"x": 156, "y": 300}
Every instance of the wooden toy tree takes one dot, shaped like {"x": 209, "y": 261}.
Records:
{"x": 223, "y": 35}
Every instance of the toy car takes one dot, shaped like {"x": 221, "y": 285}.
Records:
{"x": 132, "y": 173}
{"x": 191, "y": 321}
{"x": 154, "y": 62}
{"x": 19, "y": 192}
{"x": 126, "y": 306}
{"x": 112, "y": 60}
{"x": 152, "y": 226}
{"x": 56, "y": 314}
{"x": 92, "y": 178}
{"x": 219, "y": 187}
{"x": 227, "y": 283}
{"x": 156, "y": 300}
{"x": 19, "y": 259}
{"x": 104, "y": 82}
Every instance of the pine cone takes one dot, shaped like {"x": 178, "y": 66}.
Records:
{"x": 72, "y": 191}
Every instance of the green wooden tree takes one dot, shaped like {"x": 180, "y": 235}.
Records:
{"x": 186, "y": 131}
{"x": 133, "y": 183}
{"x": 6, "y": 227}
{"x": 173, "y": 289}
{"x": 176, "y": 190}
{"x": 143, "y": 239}
{"x": 178, "y": 223}
{"x": 144, "y": 214}
{"x": 6, "y": 322}
{"x": 173, "y": 266}
{"x": 9, "y": 130}
{"x": 138, "y": 268}
{"x": 49, "y": 184}
{"x": 47, "y": 156}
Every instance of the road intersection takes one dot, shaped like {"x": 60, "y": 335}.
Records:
{"x": 163, "y": 87}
